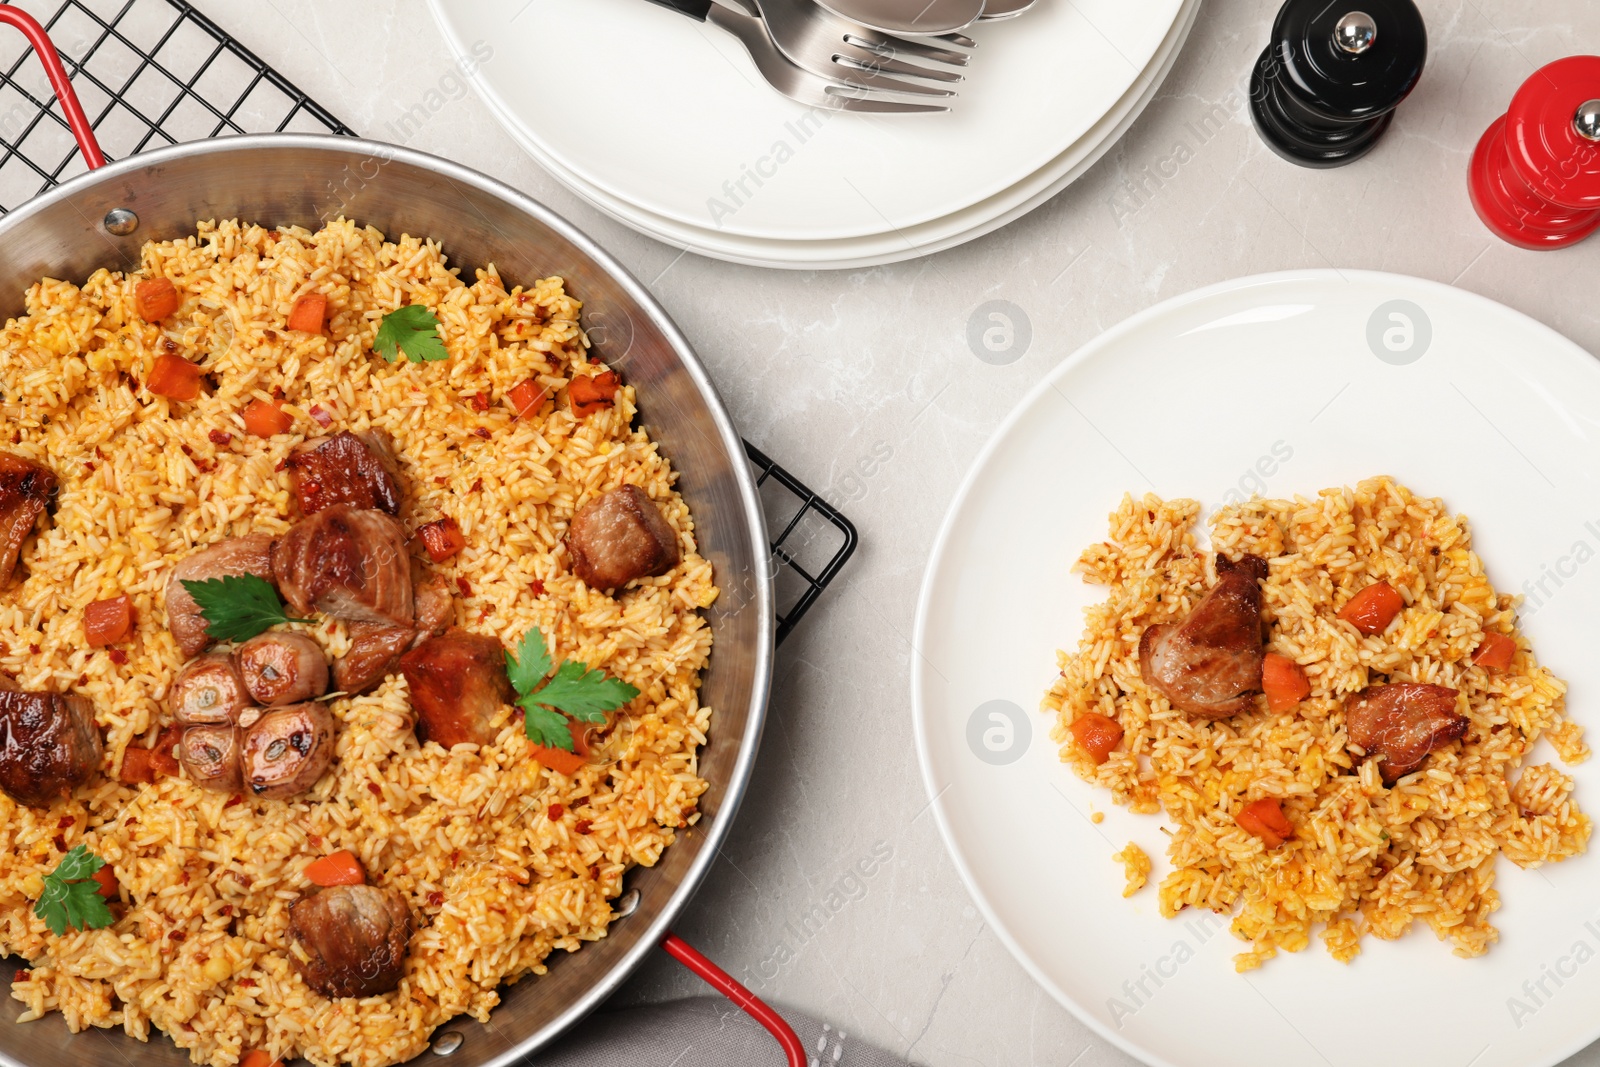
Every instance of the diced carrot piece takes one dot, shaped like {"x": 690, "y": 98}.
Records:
{"x": 309, "y": 313}
{"x": 559, "y": 759}
{"x": 336, "y": 868}
{"x": 174, "y": 377}
{"x": 564, "y": 762}
{"x": 1265, "y": 819}
{"x": 1374, "y": 608}
{"x": 105, "y": 622}
{"x": 589, "y": 395}
{"x": 266, "y": 418}
{"x": 1097, "y": 734}
{"x": 108, "y": 882}
{"x": 257, "y": 1058}
{"x": 442, "y": 538}
{"x": 528, "y": 398}
{"x": 1496, "y": 652}
{"x": 155, "y": 299}
{"x": 142, "y": 766}
{"x": 1284, "y": 682}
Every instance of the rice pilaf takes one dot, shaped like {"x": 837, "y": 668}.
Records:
{"x": 1364, "y": 858}
{"x": 501, "y": 860}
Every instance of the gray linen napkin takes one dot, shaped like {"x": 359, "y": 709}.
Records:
{"x": 702, "y": 1032}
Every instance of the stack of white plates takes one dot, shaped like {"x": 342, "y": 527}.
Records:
{"x": 664, "y": 124}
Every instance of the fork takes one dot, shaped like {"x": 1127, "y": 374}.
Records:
{"x": 846, "y": 91}
{"x": 823, "y": 43}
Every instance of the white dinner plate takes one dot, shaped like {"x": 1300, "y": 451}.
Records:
{"x": 1288, "y": 384}
{"x": 671, "y": 117}
{"x": 911, "y": 242}
{"x": 871, "y": 250}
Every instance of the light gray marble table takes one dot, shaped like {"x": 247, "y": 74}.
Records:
{"x": 826, "y": 370}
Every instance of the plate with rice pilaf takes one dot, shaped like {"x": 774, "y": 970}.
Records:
{"x": 1254, "y": 675}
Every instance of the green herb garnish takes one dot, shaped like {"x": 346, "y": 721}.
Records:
{"x": 238, "y": 607}
{"x": 413, "y": 330}
{"x": 575, "y": 691}
{"x": 71, "y": 897}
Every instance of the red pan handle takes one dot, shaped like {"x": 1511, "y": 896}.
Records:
{"x": 76, "y": 119}
{"x": 723, "y": 983}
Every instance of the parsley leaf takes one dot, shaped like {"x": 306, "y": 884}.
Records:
{"x": 71, "y": 897}
{"x": 412, "y": 330}
{"x": 238, "y": 607}
{"x": 531, "y": 663}
{"x": 576, "y": 690}
{"x": 548, "y": 728}
{"x": 582, "y": 693}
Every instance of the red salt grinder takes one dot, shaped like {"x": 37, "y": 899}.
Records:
{"x": 1535, "y": 177}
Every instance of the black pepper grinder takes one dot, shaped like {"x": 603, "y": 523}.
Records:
{"x": 1326, "y": 87}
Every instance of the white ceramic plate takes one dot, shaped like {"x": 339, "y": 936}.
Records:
{"x": 1265, "y": 384}
{"x": 670, "y": 116}
{"x": 924, "y": 239}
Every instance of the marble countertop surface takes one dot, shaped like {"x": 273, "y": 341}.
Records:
{"x": 863, "y": 384}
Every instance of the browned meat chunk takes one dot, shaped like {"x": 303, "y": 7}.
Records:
{"x": 287, "y": 750}
{"x": 347, "y": 468}
{"x": 375, "y": 651}
{"x": 232, "y": 558}
{"x": 1403, "y": 723}
{"x": 49, "y": 745}
{"x": 210, "y": 757}
{"x": 347, "y": 562}
{"x": 458, "y": 685}
{"x": 283, "y": 668}
{"x": 350, "y": 940}
{"x": 25, "y": 490}
{"x": 209, "y": 689}
{"x": 434, "y": 607}
{"x": 618, "y": 537}
{"x": 1210, "y": 663}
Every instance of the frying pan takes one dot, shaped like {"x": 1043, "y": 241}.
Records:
{"x": 100, "y": 219}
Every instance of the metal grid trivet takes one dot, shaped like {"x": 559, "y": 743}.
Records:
{"x": 157, "y": 72}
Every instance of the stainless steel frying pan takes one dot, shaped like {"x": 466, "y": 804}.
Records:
{"x": 101, "y": 218}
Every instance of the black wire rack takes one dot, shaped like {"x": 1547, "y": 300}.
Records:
{"x": 152, "y": 73}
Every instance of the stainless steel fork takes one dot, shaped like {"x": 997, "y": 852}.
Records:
{"x": 823, "y": 43}
{"x": 847, "y": 91}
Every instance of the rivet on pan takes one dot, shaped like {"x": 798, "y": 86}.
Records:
{"x": 626, "y": 904}
{"x": 121, "y": 222}
{"x": 447, "y": 1042}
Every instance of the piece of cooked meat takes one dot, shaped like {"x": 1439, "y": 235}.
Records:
{"x": 49, "y": 745}
{"x": 1210, "y": 663}
{"x": 234, "y": 557}
{"x": 286, "y": 750}
{"x": 25, "y": 491}
{"x": 458, "y": 685}
{"x": 350, "y": 940}
{"x": 1403, "y": 723}
{"x": 375, "y": 651}
{"x": 620, "y": 536}
{"x": 208, "y": 690}
{"x": 348, "y": 468}
{"x": 280, "y": 667}
{"x": 210, "y": 757}
{"x": 434, "y": 607}
{"x": 347, "y": 562}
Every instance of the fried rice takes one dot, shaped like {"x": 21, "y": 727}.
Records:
{"x": 501, "y": 860}
{"x": 1365, "y": 858}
